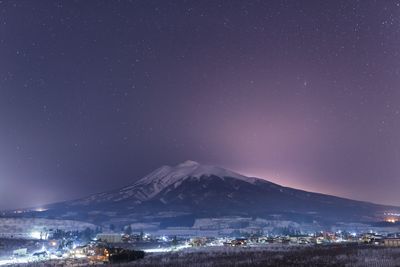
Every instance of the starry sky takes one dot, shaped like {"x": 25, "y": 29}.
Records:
{"x": 96, "y": 94}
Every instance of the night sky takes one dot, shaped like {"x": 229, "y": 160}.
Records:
{"x": 96, "y": 94}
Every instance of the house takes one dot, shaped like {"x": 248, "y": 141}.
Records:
{"x": 110, "y": 238}
{"x": 391, "y": 242}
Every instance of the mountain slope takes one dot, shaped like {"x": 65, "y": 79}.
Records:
{"x": 202, "y": 191}
{"x": 151, "y": 185}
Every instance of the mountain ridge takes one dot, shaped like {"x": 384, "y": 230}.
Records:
{"x": 206, "y": 191}
{"x": 207, "y": 170}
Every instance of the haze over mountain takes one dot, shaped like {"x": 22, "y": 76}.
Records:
{"x": 188, "y": 191}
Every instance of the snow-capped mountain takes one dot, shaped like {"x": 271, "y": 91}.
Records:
{"x": 194, "y": 190}
{"x": 151, "y": 185}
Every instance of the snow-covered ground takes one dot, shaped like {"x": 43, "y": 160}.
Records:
{"x": 31, "y": 227}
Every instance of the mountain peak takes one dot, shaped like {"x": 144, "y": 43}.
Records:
{"x": 189, "y": 168}
{"x": 189, "y": 163}
{"x": 167, "y": 175}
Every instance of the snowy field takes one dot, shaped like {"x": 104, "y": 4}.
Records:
{"x": 28, "y": 228}
{"x": 333, "y": 255}
{"x": 279, "y": 255}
